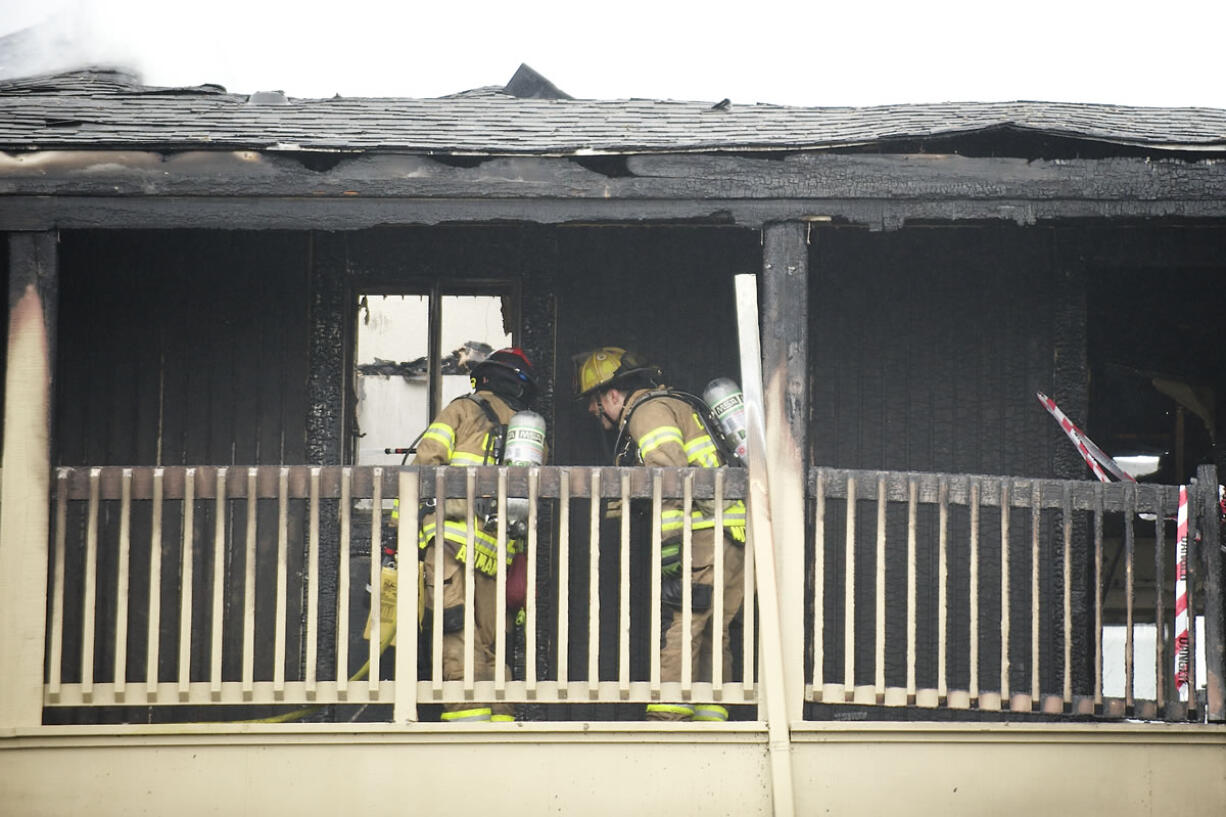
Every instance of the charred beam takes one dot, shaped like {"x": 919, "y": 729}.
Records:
{"x": 30, "y": 213}
{"x": 703, "y": 177}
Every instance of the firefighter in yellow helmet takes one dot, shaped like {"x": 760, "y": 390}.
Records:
{"x": 466, "y": 433}
{"x": 659, "y": 428}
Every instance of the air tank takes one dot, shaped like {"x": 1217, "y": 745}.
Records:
{"x": 723, "y": 396}
{"x": 525, "y": 439}
{"x": 525, "y": 446}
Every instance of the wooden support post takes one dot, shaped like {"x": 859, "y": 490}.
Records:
{"x": 26, "y": 479}
{"x": 1215, "y": 633}
{"x": 785, "y": 322}
{"x": 326, "y": 397}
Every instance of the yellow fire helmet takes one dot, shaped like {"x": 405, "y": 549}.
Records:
{"x": 607, "y": 366}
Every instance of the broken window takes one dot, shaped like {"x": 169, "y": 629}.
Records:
{"x": 413, "y": 354}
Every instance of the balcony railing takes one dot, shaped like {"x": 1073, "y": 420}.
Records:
{"x": 204, "y": 586}
{"x": 233, "y": 581}
{"x": 990, "y": 593}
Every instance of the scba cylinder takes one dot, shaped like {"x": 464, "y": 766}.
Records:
{"x": 727, "y": 405}
{"x": 525, "y": 439}
{"x": 525, "y": 446}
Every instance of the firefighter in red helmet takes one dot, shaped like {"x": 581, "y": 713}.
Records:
{"x": 662, "y": 428}
{"x": 467, "y": 432}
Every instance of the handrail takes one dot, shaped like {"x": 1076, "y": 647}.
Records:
{"x": 1022, "y": 592}
{"x": 255, "y": 557}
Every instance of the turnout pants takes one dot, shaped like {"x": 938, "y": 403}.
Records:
{"x": 485, "y": 629}
{"x": 702, "y": 628}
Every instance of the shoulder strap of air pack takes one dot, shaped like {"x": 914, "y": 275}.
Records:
{"x": 496, "y": 442}
{"x": 701, "y": 410}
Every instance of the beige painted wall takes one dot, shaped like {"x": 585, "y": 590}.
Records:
{"x": 608, "y": 769}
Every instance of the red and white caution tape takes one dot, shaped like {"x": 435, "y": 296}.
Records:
{"x": 1181, "y": 596}
{"x": 1095, "y": 457}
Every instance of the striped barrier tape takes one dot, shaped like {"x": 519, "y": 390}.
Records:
{"x": 1095, "y": 457}
{"x": 1181, "y": 596}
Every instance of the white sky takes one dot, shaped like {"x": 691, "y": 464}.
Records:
{"x": 799, "y": 53}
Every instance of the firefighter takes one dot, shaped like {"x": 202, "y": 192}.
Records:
{"x": 658, "y": 428}
{"x": 464, "y": 433}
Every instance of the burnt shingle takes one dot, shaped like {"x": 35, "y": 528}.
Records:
{"x": 109, "y": 110}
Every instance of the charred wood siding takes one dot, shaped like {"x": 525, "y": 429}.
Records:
{"x": 927, "y": 346}
{"x": 190, "y": 348}
{"x": 182, "y": 347}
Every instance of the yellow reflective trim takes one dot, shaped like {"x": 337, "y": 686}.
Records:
{"x": 502, "y": 718}
{"x": 674, "y": 519}
{"x": 710, "y": 712}
{"x": 481, "y": 713}
{"x": 698, "y": 444}
{"x": 671, "y": 709}
{"x": 442, "y": 434}
{"x": 465, "y": 458}
{"x": 658, "y": 437}
{"x": 702, "y": 453}
{"x": 456, "y": 532}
